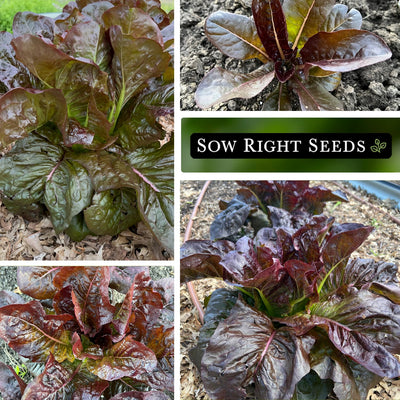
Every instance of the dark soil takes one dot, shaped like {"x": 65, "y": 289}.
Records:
{"x": 382, "y": 244}
{"x": 376, "y": 87}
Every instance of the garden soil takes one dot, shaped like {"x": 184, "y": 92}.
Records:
{"x": 383, "y": 244}
{"x": 376, "y": 87}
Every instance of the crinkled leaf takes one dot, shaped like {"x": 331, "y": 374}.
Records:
{"x": 312, "y": 387}
{"x": 271, "y": 27}
{"x": 275, "y": 376}
{"x": 89, "y": 295}
{"x": 11, "y": 385}
{"x": 34, "y": 24}
{"x": 134, "y": 22}
{"x": 314, "y": 97}
{"x": 235, "y": 35}
{"x": 278, "y": 100}
{"x": 341, "y": 18}
{"x": 140, "y": 58}
{"x": 50, "y": 384}
{"x": 112, "y": 211}
{"x": 24, "y": 169}
{"x": 96, "y": 10}
{"x": 89, "y": 391}
{"x": 138, "y": 126}
{"x": 152, "y": 395}
{"x": 121, "y": 277}
{"x": 22, "y": 111}
{"x": 106, "y": 170}
{"x": 37, "y": 282}
{"x": 127, "y": 358}
{"x": 123, "y": 315}
{"x": 154, "y": 166}
{"x": 344, "y": 50}
{"x": 78, "y": 80}
{"x": 88, "y": 40}
{"x": 218, "y": 308}
{"x": 12, "y": 73}
{"x": 220, "y": 85}
{"x": 305, "y": 18}
{"x": 31, "y": 333}
{"x": 230, "y": 220}
{"x": 7, "y": 297}
{"x": 68, "y": 191}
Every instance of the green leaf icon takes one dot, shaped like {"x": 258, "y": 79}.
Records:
{"x": 379, "y": 146}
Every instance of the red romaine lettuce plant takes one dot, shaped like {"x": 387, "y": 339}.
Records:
{"x": 90, "y": 347}
{"x": 288, "y": 204}
{"x": 304, "y": 44}
{"x": 304, "y": 321}
{"x": 83, "y": 98}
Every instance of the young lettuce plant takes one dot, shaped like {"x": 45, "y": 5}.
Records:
{"x": 302, "y": 321}
{"x": 83, "y": 98}
{"x": 305, "y": 45}
{"x": 84, "y": 345}
{"x": 288, "y": 204}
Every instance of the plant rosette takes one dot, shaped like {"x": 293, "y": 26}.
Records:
{"x": 79, "y": 344}
{"x": 304, "y": 47}
{"x": 83, "y": 99}
{"x": 301, "y": 321}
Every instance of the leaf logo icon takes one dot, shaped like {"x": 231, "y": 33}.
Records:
{"x": 378, "y": 146}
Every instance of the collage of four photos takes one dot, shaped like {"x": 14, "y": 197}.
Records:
{"x": 199, "y": 200}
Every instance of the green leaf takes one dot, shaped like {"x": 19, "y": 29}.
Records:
{"x": 112, "y": 212}
{"x": 77, "y": 229}
{"x": 220, "y": 85}
{"x": 278, "y": 100}
{"x": 138, "y": 126}
{"x": 22, "y": 111}
{"x": 134, "y": 22}
{"x": 135, "y": 61}
{"x": 305, "y": 18}
{"x": 68, "y": 191}
{"x": 312, "y": 387}
{"x": 23, "y": 170}
{"x": 154, "y": 166}
{"x": 235, "y": 35}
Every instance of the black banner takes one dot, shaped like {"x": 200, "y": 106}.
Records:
{"x": 290, "y": 145}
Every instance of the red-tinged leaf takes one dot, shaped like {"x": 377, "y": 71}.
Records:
{"x": 78, "y": 81}
{"x": 31, "y": 333}
{"x": 278, "y": 100}
{"x": 340, "y": 18}
{"x": 343, "y": 240}
{"x": 201, "y": 258}
{"x": 89, "y": 295}
{"x": 123, "y": 316}
{"x": 271, "y": 27}
{"x": 96, "y": 10}
{"x": 24, "y": 110}
{"x": 34, "y": 24}
{"x": 37, "y": 282}
{"x": 235, "y": 35}
{"x": 134, "y": 22}
{"x": 82, "y": 348}
{"x": 146, "y": 304}
{"x": 128, "y": 358}
{"x": 220, "y": 85}
{"x": 305, "y": 18}
{"x": 88, "y": 40}
{"x": 139, "y": 57}
{"x": 153, "y": 395}
{"x": 232, "y": 361}
{"x": 50, "y": 384}
{"x": 161, "y": 341}
{"x": 121, "y": 278}
{"x": 344, "y": 50}
{"x": 11, "y": 385}
{"x": 314, "y": 97}
{"x": 7, "y": 298}
{"x": 92, "y": 391}
{"x": 62, "y": 301}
